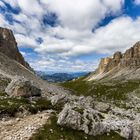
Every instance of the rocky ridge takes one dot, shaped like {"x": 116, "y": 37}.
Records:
{"x": 130, "y": 60}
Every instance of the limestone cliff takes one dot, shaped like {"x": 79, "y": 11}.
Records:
{"x": 103, "y": 65}
{"x": 131, "y": 59}
{"x": 8, "y": 46}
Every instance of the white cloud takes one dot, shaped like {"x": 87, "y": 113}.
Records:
{"x": 30, "y": 7}
{"x": 120, "y": 34}
{"x": 114, "y": 6}
{"x": 13, "y": 3}
{"x": 25, "y": 41}
{"x": 1, "y": 4}
{"x": 81, "y": 14}
{"x": 63, "y": 65}
{"x": 137, "y": 2}
{"x": 2, "y": 20}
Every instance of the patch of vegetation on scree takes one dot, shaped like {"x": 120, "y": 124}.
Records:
{"x": 52, "y": 131}
{"x": 114, "y": 91}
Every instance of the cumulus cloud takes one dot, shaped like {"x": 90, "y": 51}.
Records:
{"x": 63, "y": 65}
{"x": 81, "y": 14}
{"x": 13, "y": 3}
{"x": 137, "y": 2}
{"x": 119, "y": 34}
{"x": 2, "y": 4}
{"x": 73, "y": 35}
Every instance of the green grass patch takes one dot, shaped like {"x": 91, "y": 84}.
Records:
{"x": 52, "y": 131}
{"x": 111, "y": 90}
{"x": 3, "y": 94}
{"x": 10, "y": 106}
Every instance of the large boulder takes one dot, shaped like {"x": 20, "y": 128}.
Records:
{"x": 102, "y": 107}
{"x": 93, "y": 122}
{"x": 21, "y": 87}
{"x": 70, "y": 118}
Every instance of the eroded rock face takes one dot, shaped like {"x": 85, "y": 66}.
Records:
{"x": 114, "y": 61}
{"x": 103, "y": 64}
{"x": 131, "y": 59}
{"x": 8, "y": 46}
{"x": 117, "y": 56}
{"x": 20, "y": 87}
{"x": 93, "y": 122}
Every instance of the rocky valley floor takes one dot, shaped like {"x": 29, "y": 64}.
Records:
{"x": 22, "y": 128}
{"x": 71, "y": 118}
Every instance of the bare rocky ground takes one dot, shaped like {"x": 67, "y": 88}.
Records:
{"x": 13, "y": 65}
{"x": 22, "y": 128}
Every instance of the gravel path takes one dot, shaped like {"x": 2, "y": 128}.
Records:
{"x": 22, "y": 128}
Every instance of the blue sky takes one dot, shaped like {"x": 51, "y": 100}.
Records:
{"x": 71, "y": 35}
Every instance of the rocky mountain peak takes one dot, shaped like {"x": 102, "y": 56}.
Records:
{"x": 117, "y": 55}
{"x": 131, "y": 59}
{"x": 8, "y": 46}
{"x": 133, "y": 52}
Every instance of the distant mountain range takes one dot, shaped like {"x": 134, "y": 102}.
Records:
{"x": 60, "y": 77}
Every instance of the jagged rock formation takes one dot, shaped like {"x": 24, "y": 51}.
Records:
{"x": 93, "y": 122}
{"x": 8, "y": 46}
{"x": 96, "y": 118}
{"x": 130, "y": 60}
{"x": 103, "y": 64}
{"x": 131, "y": 57}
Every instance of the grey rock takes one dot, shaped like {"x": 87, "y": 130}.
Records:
{"x": 103, "y": 107}
{"x": 21, "y": 87}
{"x": 127, "y": 132}
{"x": 69, "y": 118}
{"x": 136, "y": 128}
{"x": 59, "y": 98}
{"x": 93, "y": 122}
{"x": 131, "y": 114}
